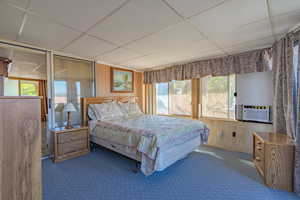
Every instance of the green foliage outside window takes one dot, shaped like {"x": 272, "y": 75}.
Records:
{"x": 29, "y": 88}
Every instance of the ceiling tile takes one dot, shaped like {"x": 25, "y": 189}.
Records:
{"x": 251, "y": 45}
{"x": 174, "y": 38}
{"x": 193, "y": 7}
{"x": 283, "y": 23}
{"x": 156, "y": 60}
{"x": 78, "y": 14}
{"x": 118, "y": 55}
{"x": 284, "y": 6}
{"x": 246, "y": 33}
{"x": 87, "y": 46}
{"x": 46, "y": 34}
{"x": 18, "y": 3}
{"x": 10, "y": 27}
{"x": 223, "y": 21}
{"x": 145, "y": 61}
{"x": 135, "y": 20}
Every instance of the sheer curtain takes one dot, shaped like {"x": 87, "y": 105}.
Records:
{"x": 150, "y": 99}
{"x": 73, "y": 79}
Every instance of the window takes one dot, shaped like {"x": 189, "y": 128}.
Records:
{"x": 15, "y": 87}
{"x": 29, "y": 88}
{"x": 174, "y": 98}
{"x": 217, "y": 97}
{"x": 162, "y": 98}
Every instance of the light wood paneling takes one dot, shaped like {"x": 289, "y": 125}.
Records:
{"x": 221, "y": 134}
{"x": 273, "y": 155}
{"x": 20, "y": 148}
{"x": 195, "y": 97}
{"x": 103, "y": 89}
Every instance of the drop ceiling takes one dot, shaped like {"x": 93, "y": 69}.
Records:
{"x": 144, "y": 34}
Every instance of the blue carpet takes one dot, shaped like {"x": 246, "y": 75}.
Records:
{"x": 209, "y": 174}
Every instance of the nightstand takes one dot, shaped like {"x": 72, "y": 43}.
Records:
{"x": 70, "y": 143}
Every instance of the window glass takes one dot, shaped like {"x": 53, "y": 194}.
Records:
{"x": 180, "y": 97}
{"x": 11, "y": 87}
{"x": 73, "y": 79}
{"x": 217, "y": 96}
{"x": 162, "y": 98}
{"x": 29, "y": 88}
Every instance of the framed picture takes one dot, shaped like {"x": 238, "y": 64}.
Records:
{"x": 122, "y": 80}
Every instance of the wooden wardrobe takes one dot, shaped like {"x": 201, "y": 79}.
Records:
{"x": 20, "y": 148}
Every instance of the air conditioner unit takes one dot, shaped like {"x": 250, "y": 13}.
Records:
{"x": 254, "y": 113}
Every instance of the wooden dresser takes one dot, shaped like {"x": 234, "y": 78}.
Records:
{"x": 70, "y": 143}
{"x": 273, "y": 156}
{"x": 20, "y": 148}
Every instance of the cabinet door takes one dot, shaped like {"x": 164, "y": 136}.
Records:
{"x": 20, "y": 149}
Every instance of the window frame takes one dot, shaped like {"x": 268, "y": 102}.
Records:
{"x": 200, "y": 105}
{"x": 25, "y": 79}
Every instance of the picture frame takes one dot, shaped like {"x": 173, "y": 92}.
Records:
{"x": 122, "y": 80}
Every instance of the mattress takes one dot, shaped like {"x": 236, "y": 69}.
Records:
{"x": 150, "y": 135}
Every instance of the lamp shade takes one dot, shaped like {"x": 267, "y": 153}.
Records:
{"x": 69, "y": 108}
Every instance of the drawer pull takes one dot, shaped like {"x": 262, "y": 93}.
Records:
{"x": 257, "y": 158}
{"x": 258, "y": 142}
{"x": 259, "y": 148}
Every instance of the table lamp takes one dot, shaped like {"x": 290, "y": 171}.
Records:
{"x": 69, "y": 107}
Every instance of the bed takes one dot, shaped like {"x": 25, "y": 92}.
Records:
{"x": 156, "y": 142}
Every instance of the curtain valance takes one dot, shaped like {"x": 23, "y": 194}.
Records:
{"x": 252, "y": 61}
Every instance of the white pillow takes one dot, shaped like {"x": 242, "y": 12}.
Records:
{"x": 108, "y": 111}
{"x": 130, "y": 108}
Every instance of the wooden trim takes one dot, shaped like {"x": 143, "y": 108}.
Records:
{"x": 24, "y": 79}
{"x": 195, "y": 98}
{"x": 20, "y": 97}
{"x": 98, "y": 100}
{"x": 112, "y": 80}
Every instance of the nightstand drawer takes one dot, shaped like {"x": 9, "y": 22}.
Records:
{"x": 72, "y": 136}
{"x": 70, "y": 143}
{"x": 72, "y": 147}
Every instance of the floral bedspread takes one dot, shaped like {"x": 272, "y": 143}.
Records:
{"x": 149, "y": 133}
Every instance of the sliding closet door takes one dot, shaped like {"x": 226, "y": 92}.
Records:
{"x": 72, "y": 80}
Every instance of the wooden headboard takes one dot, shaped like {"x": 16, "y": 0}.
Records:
{"x": 98, "y": 100}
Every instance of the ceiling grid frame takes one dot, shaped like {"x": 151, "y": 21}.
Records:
{"x": 271, "y": 18}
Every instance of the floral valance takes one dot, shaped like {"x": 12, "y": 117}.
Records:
{"x": 252, "y": 61}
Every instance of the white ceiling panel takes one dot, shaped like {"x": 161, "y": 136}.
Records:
{"x": 284, "y": 6}
{"x": 156, "y": 60}
{"x": 78, "y": 14}
{"x": 283, "y": 23}
{"x": 46, "y": 34}
{"x": 10, "y": 21}
{"x": 18, "y": 3}
{"x": 251, "y": 45}
{"x": 171, "y": 39}
{"x": 246, "y": 33}
{"x": 87, "y": 46}
{"x": 189, "y": 8}
{"x": 135, "y": 20}
{"x": 146, "y": 62}
{"x": 118, "y": 55}
{"x": 222, "y": 21}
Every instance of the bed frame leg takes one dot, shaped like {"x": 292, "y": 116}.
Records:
{"x": 93, "y": 146}
{"x": 137, "y": 167}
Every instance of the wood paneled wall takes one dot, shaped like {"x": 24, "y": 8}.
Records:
{"x": 222, "y": 131}
{"x": 102, "y": 73}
